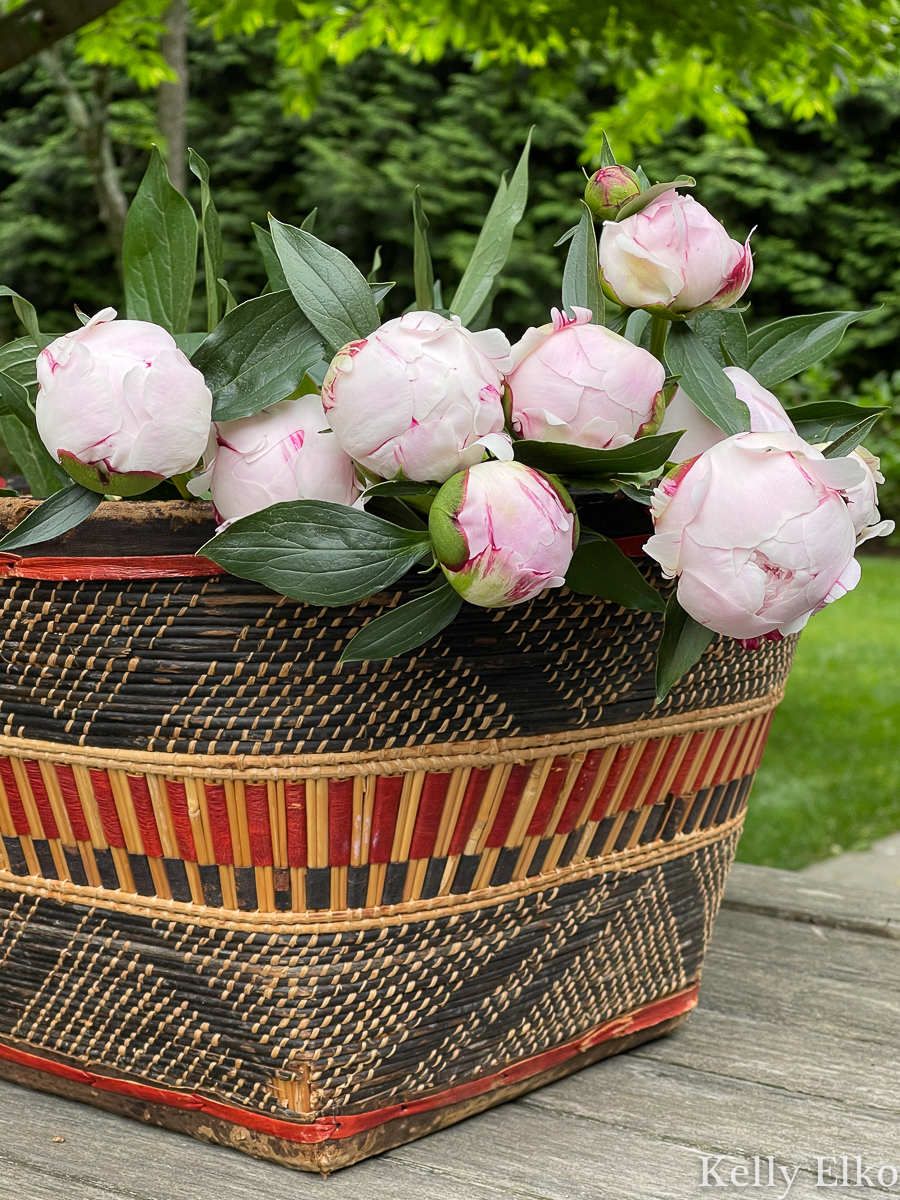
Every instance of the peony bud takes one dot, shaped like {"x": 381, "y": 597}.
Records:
{"x": 120, "y": 406}
{"x": 421, "y": 396}
{"x": 503, "y": 532}
{"x": 581, "y": 383}
{"x": 673, "y": 257}
{"x": 758, "y": 532}
{"x": 609, "y": 189}
{"x": 862, "y": 500}
{"x": 766, "y": 416}
{"x": 285, "y": 452}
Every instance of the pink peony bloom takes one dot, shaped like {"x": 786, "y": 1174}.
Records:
{"x": 118, "y": 398}
{"x": 758, "y": 533}
{"x": 862, "y": 500}
{"x": 285, "y": 452}
{"x": 421, "y": 396}
{"x": 503, "y": 532}
{"x": 766, "y": 416}
{"x": 581, "y": 383}
{"x": 673, "y": 257}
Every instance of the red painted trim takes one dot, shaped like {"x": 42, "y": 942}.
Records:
{"x": 295, "y": 801}
{"x": 160, "y": 566}
{"x": 326, "y": 1128}
{"x": 340, "y": 821}
{"x": 259, "y": 828}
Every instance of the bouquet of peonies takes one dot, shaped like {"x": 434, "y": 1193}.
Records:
{"x": 341, "y": 452}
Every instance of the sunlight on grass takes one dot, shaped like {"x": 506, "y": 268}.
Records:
{"x": 830, "y": 779}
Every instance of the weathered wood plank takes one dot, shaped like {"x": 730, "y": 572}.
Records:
{"x": 790, "y": 896}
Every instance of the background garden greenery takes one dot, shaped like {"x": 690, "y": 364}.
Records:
{"x": 824, "y": 198}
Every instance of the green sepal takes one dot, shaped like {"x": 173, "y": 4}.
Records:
{"x": 95, "y": 479}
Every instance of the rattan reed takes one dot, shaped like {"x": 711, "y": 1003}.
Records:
{"x": 313, "y": 910}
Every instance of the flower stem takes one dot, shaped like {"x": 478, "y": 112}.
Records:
{"x": 659, "y": 331}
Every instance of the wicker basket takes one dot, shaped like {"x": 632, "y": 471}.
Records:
{"x": 314, "y": 911}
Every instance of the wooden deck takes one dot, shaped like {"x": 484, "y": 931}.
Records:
{"x": 794, "y": 1052}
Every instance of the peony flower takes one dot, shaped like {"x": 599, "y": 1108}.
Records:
{"x": 503, "y": 532}
{"x": 862, "y": 500}
{"x": 421, "y": 396}
{"x": 581, "y": 383}
{"x": 758, "y": 533}
{"x": 285, "y": 452}
{"x": 120, "y": 406}
{"x": 673, "y": 257}
{"x": 766, "y": 416}
{"x": 609, "y": 189}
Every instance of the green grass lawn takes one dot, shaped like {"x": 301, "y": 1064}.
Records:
{"x": 830, "y": 779}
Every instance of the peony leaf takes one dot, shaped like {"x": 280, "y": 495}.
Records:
{"x": 26, "y": 313}
{"x": 852, "y": 437}
{"x": 213, "y": 251}
{"x": 581, "y": 277}
{"x": 326, "y": 285}
{"x": 160, "y": 252}
{"x": 402, "y": 487}
{"x": 423, "y": 272}
{"x": 599, "y": 568}
{"x": 787, "y": 347}
{"x": 318, "y": 552}
{"x": 643, "y": 455}
{"x": 681, "y": 645}
{"x": 380, "y": 290}
{"x": 44, "y": 475}
{"x": 724, "y": 334}
{"x": 607, "y": 158}
{"x": 704, "y": 380}
{"x": 56, "y": 515}
{"x": 274, "y": 273}
{"x": 493, "y": 245}
{"x": 404, "y": 628}
{"x": 14, "y": 397}
{"x": 828, "y": 419}
{"x": 257, "y": 355}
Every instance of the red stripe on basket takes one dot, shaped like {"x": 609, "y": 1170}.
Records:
{"x": 42, "y": 800}
{"x": 639, "y": 778}
{"x": 295, "y": 799}
{"x": 619, "y": 763}
{"x": 181, "y": 822}
{"x": 475, "y": 789}
{"x": 340, "y": 821}
{"x": 327, "y": 1128}
{"x": 760, "y": 750}
{"x": 144, "y": 815}
{"x": 549, "y": 795}
{"x": 428, "y": 818}
{"x": 161, "y": 566}
{"x": 702, "y": 778}
{"x": 655, "y": 790}
{"x": 384, "y": 817}
{"x": 72, "y": 801}
{"x": 16, "y": 807}
{"x": 678, "y": 783}
{"x": 257, "y": 797}
{"x": 512, "y": 794}
{"x": 217, "y": 807}
{"x": 581, "y": 789}
{"x": 109, "y": 817}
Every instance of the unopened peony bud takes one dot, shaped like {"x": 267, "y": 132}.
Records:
{"x": 766, "y": 416}
{"x": 673, "y": 257}
{"x": 421, "y": 396}
{"x": 120, "y": 406}
{"x": 580, "y": 383}
{"x": 862, "y": 500}
{"x": 609, "y": 189}
{"x": 503, "y": 532}
{"x": 758, "y": 533}
{"x": 285, "y": 452}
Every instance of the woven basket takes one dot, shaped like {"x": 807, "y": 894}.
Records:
{"x": 314, "y": 911}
